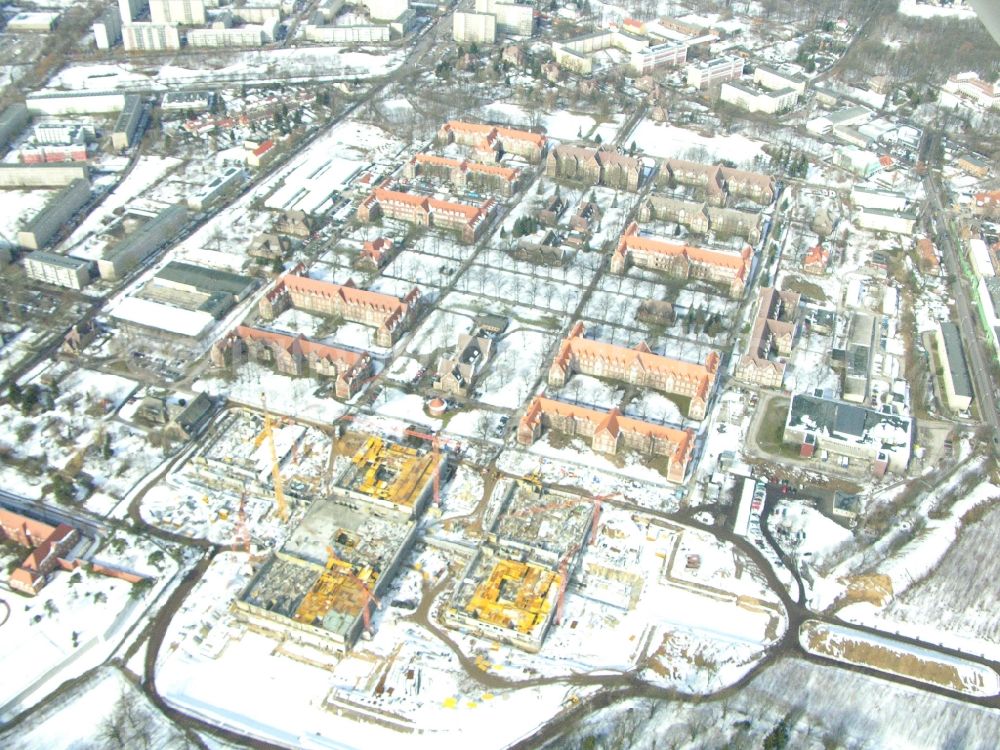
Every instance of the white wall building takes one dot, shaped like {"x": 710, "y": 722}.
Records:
{"x": 140, "y": 37}
{"x": 884, "y": 200}
{"x": 705, "y": 74}
{"x": 979, "y": 254}
{"x": 241, "y": 36}
{"x": 185, "y": 12}
{"x": 774, "y": 79}
{"x": 752, "y": 100}
{"x": 131, "y": 10}
{"x": 512, "y": 18}
{"x": 894, "y": 222}
{"x": 386, "y": 10}
{"x": 480, "y": 28}
{"x": 108, "y": 28}
{"x": 59, "y": 270}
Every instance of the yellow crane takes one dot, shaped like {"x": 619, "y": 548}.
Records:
{"x": 279, "y": 492}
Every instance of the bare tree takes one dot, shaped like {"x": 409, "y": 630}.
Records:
{"x": 127, "y": 726}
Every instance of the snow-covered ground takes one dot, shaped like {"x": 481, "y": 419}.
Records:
{"x": 658, "y": 139}
{"x": 104, "y": 705}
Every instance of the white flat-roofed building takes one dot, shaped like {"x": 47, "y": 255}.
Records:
{"x": 152, "y": 37}
{"x": 89, "y": 103}
{"x": 954, "y": 369}
{"x": 776, "y": 79}
{"x": 364, "y": 34}
{"x": 885, "y": 200}
{"x": 42, "y": 175}
{"x": 753, "y": 100}
{"x": 125, "y": 128}
{"x": 894, "y": 222}
{"x": 982, "y": 263}
{"x": 33, "y": 21}
{"x": 59, "y": 270}
{"x": 710, "y": 72}
{"x": 216, "y": 188}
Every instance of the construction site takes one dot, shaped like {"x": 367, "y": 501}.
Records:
{"x": 252, "y": 473}
{"x": 391, "y": 476}
{"x": 321, "y": 588}
{"x": 513, "y": 588}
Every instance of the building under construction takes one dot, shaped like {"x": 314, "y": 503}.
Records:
{"x": 509, "y": 600}
{"x": 512, "y": 589}
{"x": 324, "y": 585}
{"x": 389, "y": 476}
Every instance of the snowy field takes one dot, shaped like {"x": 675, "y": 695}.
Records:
{"x": 666, "y": 141}
{"x": 257, "y": 66}
{"x": 88, "y": 714}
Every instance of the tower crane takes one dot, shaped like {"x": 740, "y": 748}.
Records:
{"x": 279, "y": 491}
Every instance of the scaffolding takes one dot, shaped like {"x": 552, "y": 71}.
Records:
{"x": 390, "y": 472}
{"x": 515, "y": 595}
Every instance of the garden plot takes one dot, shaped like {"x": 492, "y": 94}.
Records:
{"x": 579, "y": 271}
{"x": 517, "y": 289}
{"x": 668, "y": 141}
{"x": 656, "y": 407}
{"x": 439, "y": 332}
{"x": 291, "y": 396}
{"x": 76, "y": 435}
{"x": 481, "y": 424}
{"x": 420, "y": 268}
{"x": 521, "y": 356}
{"x": 589, "y": 391}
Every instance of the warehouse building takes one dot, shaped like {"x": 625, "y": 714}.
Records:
{"x": 198, "y": 288}
{"x": 954, "y": 369}
{"x": 42, "y": 175}
{"x": 126, "y": 126}
{"x": 74, "y": 103}
{"x": 47, "y": 223}
{"x": 141, "y": 244}
{"x": 13, "y": 120}
{"x": 58, "y": 270}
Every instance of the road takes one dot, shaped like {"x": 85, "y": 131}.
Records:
{"x": 968, "y": 320}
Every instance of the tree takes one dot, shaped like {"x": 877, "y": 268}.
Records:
{"x": 128, "y": 725}
{"x": 484, "y": 426}
{"x": 598, "y": 140}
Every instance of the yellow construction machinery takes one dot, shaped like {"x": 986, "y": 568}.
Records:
{"x": 279, "y": 491}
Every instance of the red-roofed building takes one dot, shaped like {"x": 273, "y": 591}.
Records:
{"x": 638, "y": 366}
{"x": 816, "y": 260}
{"x": 469, "y": 221}
{"x": 376, "y": 252}
{"x": 609, "y": 432}
{"x": 489, "y": 140}
{"x": 464, "y": 174}
{"x": 773, "y": 333}
{"x": 48, "y": 545}
{"x": 682, "y": 261}
{"x": 260, "y": 155}
{"x": 390, "y": 315}
{"x": 987, "y": 203}
{"x": 297, "y": 355}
